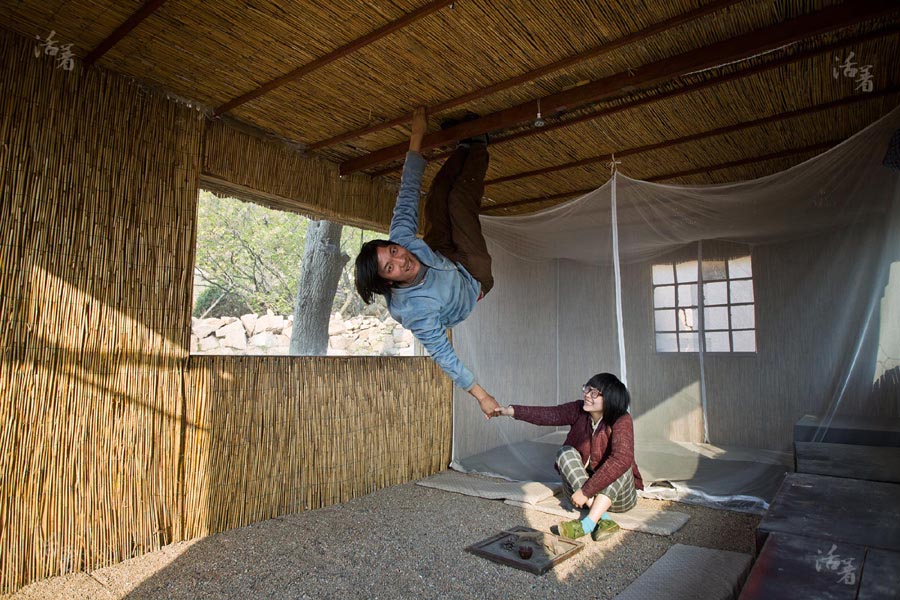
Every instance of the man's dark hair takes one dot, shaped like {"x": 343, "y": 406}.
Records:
{"x": 368, "y": 281}
{"x": 616, "y": 398}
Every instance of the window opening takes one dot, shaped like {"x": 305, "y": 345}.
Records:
{"x": 728, "y": 306}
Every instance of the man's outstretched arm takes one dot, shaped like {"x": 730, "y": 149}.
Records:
{"x": 419, "y": 126}
{"x": 405, "y": 220}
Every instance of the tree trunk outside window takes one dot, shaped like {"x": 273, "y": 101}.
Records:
{"x": 320, "y": 272}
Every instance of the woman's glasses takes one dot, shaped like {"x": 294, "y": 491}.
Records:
{"x": 591, "y": 392}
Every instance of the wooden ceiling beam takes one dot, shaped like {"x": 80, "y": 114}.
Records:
{"x": 527, "y": 201}
{"x": 820, "y": 147}
{"x": 696, "y": 136}
{"x": 334, "y": 55}
{"x": 605, "y": 112}
{"x": 817, "y": 148}
{"x": 720, "y": 53}
{"x": 122, "y": 30}
{"x": 536, "y": 73}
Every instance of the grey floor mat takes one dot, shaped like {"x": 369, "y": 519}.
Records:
{"x": 734, "y": 483}
{"x": 735, "y": 479}
{"x": 530, "y": 460}
{"x": 495, "y": 489}
{"x": 538, "y": 496}
{"x": 691, "y": 573}
{"x": 638, "y": 518}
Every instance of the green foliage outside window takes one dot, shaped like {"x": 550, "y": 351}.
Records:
{"x": 249, "y": 259}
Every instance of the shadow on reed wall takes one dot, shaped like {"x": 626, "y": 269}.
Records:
{"x": 277, "y": 435}
{"x": 98, "y": 178}
{"x": 104, "y": 454}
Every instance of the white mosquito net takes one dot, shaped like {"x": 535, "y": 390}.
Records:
{"x": 730, "y": 311}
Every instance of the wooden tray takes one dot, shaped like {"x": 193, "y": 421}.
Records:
{"x": 504, "y": 548}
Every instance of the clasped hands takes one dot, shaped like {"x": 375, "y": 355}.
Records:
{"x": 580, "y": 500}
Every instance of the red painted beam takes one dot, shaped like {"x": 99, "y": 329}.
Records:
{"x": 823, "y": 21}
{"x": 604, "y": 112}
{"x": 697, "y": 136}
{"x": 121, "y": 31}
{"x": 729, "y": 165}
{"x": 536, "y": 73}
{"x": 821, "y": 147}
{"x": 341, "y": 52}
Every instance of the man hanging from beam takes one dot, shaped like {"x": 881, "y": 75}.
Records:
{"x": 433, "y": 284}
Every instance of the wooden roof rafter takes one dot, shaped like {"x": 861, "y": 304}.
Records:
{"x": 607, "y": 111}
{"x": 121, "y": 31}
{"x": 819, "y": 147}
{"x": 535, "y": 73}
{"x": 696, "y": 136}
{"x": 810, "y": 149}
{"x": 823, "y": 21}
{"x": 334, "y": 55}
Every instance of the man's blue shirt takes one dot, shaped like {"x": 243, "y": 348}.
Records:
{"x": 448, "y": 293}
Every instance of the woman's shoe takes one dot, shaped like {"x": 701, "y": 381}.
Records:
{"x": 604, "y": 529}
{"x": 571, "y": 529}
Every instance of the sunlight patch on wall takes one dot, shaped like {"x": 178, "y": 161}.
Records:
{"x": 889, "y": 336}
{"x": 679, "y": 417}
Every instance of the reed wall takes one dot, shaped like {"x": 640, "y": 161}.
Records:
{"x": 278, "y": 435}
{"x": 113, "y": 441}
{"x": 99, "y": 185}
{"x": 264, "y": 169}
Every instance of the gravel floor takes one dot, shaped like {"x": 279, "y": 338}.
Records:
{"x": 406, "y": 541}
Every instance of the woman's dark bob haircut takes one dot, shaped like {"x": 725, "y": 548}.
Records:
{"x": 616, "y": 398}
{"x": 368, "y": 281}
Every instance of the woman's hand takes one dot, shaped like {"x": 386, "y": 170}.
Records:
{"x": 504, "y": 411}
{"x": 579, "y": 499}
{"x": 419, "y": 127}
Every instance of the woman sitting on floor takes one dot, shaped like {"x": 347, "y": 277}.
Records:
{"x": 597, "y": 459}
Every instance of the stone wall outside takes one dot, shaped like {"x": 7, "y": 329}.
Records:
{"x": 270, "y": 335}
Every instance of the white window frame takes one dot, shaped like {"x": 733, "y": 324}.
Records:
{"x": 684, "y": 304}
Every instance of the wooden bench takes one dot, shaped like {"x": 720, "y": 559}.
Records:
{"x": 690, "y": 573}
{"x": 828, "y": 537}
{"x": 791, "y": 567}
{"x": 854, "y": 447}
{"x": 853, "y": 511}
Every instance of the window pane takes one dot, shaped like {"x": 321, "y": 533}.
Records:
{"x": 744, "y": 341}
{"x": 666, "y": 342}
{"x": 686, "y": 271}
{"x": 717, "y": 341}
{"x": 716, "y": 317}
{"x": 715, "y": 293}
{"x": 713, "y": 270}
{"x": 690, "y": 342}
{"x": 741, "y": 291}
{"x": 687, "y": 319}
{"x": 729, "y": 318}
{"x": 664, "y": 296}
{"x": 665, "y": 320}
{"x": 255, "y": 316}
{"x": 742, "y": 317}
{"x": 687, "y": 295}
{"x": 663, "y": 274}
{"x": 740, "y": 267}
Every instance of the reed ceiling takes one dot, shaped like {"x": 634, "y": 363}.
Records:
{"x": 682, "y": 91}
